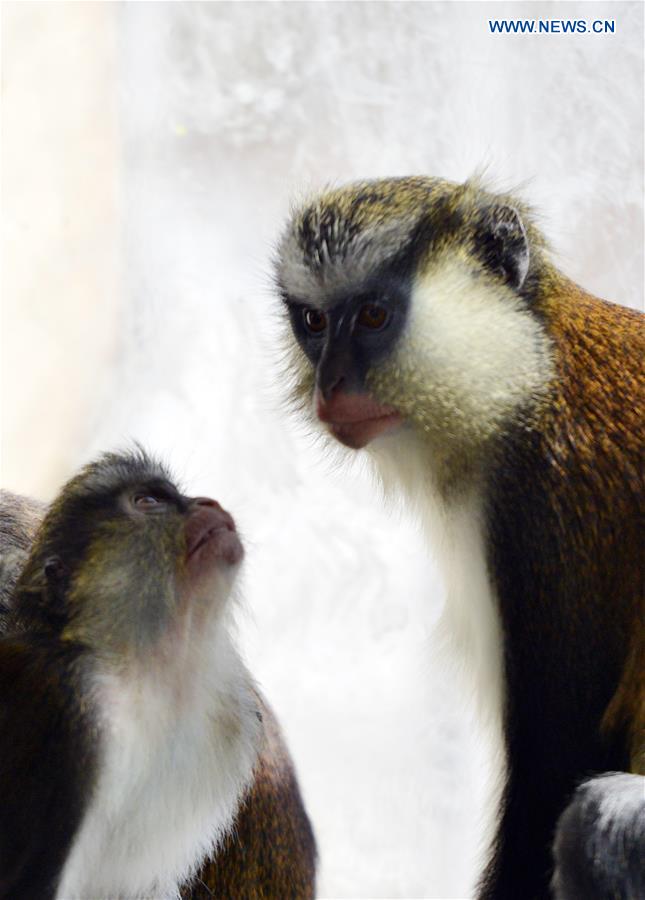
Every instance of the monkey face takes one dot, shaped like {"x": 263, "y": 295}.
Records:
{"x": 342, "y": 343}
{"x": 122, "y": 555}
{"x": 410, "y": 307}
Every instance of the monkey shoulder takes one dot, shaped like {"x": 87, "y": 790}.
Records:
{"x": 600, "y": 347}
{"x": 270, "y": 852}
{"x": 45, "y": 761}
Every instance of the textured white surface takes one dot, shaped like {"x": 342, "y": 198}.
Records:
{"x": 228, "y": 110}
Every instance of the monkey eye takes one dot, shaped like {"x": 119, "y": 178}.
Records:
{"x": 315, "y": 321}
{"x": 373, "y": 316}
{"x": 149, "y": 501}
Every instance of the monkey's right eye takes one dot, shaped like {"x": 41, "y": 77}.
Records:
{"x": 315, "y": 321}
{"x": 148, "y": 501}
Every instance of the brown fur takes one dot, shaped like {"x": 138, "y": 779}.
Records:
{"x": 19, "y": 520}
{"x": 548, "y": 428}
{"x": 271, "y": 854}
{"x": 565, "y": 507}
{"x": 595, "y": 436}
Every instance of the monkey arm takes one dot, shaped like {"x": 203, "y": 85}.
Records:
{"x": 41, "y": 792}
{"x": 599, "y": 840}
{"x": 270, "y": 853}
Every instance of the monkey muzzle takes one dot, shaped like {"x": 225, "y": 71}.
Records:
{"x": 211, "y": 535}
{"x": 355, "y": 419}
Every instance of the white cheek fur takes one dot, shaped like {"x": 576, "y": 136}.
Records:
{"x": 478, "y": 354}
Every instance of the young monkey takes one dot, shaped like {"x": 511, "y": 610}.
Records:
{"x": 137, "y": 758}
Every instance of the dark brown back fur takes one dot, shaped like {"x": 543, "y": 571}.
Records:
{"x": 564, "y": 511}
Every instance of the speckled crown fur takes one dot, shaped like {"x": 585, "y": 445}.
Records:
{"x": 338, "y": 239}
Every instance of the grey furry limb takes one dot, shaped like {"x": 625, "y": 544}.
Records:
{"x": 599, "y": 846}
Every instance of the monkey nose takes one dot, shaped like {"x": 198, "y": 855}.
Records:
{"x": 327, "y": 391}
{"x": 206, "y": 501}
{"x": 335, "y": 370}
{"x": 212, "y": 510}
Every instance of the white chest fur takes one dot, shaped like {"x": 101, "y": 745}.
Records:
{"x": 470, "y": 622}
{"x": 471, "y": 617}
{"x": 177, "y": 749}
{"x": 455, "y": 531}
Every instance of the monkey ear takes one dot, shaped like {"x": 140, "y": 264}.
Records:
{"x": 53, "y": 596}
{"x": 503, "y": 241}
{"x": 54, "y": 569}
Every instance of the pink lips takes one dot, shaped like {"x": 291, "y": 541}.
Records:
{"x": 356, "y": 419}
{"x": 211, "y": 530}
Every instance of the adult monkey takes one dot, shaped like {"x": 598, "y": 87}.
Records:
{"x": 134, "y": 747}
{"x": 427, "y": 324}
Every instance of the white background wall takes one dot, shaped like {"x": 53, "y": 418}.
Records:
{"x": 150, "y": 153}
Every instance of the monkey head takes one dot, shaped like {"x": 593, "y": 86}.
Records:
{"x": 415, "y": 306}
{"x": 123, "y": 559}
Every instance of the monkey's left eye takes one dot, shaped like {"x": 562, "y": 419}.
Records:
{"x": 373, "y": 316}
